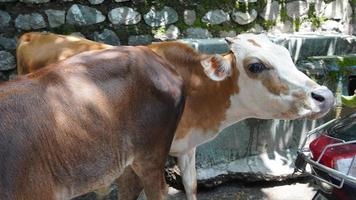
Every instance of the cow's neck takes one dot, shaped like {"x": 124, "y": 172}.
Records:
{"x": 208, "y": 102}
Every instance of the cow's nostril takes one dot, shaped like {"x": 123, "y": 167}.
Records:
{"x": 317, "y": 97}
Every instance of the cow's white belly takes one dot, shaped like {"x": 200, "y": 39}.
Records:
{"x": 194, "y": 138}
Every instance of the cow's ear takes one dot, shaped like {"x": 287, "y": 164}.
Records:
{"x": 216, "y": 67}
{"x": 229, "y": 40}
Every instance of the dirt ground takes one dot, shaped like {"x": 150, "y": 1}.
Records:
{"x": 288, "y": 190}
{"x": 293, "y": 191}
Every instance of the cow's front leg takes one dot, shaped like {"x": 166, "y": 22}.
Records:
{"x": 149, "y": 168}
{"x": 153, "y": 182}
{"x": 129, "y": 185}
{"x": 186, "y": 164}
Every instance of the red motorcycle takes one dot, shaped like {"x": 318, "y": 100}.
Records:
{"x": 330, "y": 158}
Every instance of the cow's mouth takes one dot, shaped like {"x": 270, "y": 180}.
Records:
{"x": 305, "y": 109}
{"x": 317, "y": 115}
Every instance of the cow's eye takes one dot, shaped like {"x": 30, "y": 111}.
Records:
{"x": 256, "y": 67}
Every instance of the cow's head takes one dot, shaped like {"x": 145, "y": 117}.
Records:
{"x": 270, "y": 84}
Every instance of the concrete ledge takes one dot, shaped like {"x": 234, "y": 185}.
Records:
{"x": 300, "y": 45}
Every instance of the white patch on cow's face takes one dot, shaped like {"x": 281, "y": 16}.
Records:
{"x": 280, "y": 90}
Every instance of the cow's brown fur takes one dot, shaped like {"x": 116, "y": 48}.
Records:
{"x": 200, "y": 103}
{"x": 254, "y": 42}
{"x": 73, "y": 126}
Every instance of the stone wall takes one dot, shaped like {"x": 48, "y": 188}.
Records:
{"x": 141, "y": 21}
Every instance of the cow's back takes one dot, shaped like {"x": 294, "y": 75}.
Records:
{"x": 35, "y": 50}
{"x": 79, "y": 126}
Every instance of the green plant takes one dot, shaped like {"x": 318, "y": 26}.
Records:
{"x": 268, "y": 24}
{"x": 296, "y": 23}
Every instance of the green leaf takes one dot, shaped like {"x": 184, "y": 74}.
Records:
{"x": 349, "y": 101}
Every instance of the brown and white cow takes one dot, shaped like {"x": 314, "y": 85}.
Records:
{"x": 75, "y": 125}
{"x": 257, "y": 78}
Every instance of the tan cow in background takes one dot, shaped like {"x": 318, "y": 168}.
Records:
{"x": 36, "y": 50}
{"x": 257, "y": 78}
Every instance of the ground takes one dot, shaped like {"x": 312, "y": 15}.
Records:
{"x": 301, "y": 189}
{"x": 292, "y": 191}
